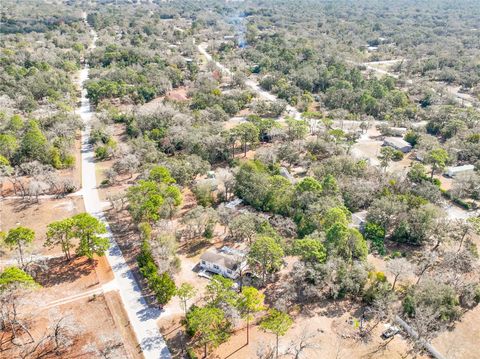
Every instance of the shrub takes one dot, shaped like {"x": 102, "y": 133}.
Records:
{"x": 162, "y": 285}
{"x": 101, "y": 153}
{"x": 376, "y": 235}
{"x": 397, "y": 155}
{"x": 477, "y": 295}
{"x": 191, "y": 354}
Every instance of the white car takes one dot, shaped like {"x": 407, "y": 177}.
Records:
{"x": 203, "y": 273}
{"x": 390, "y": 332}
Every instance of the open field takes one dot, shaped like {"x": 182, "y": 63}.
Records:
{"x": 15, "y": 212}
{"x": 74, "y": 291}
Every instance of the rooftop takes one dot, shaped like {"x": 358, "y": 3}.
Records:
{"x": 225, "y": 257}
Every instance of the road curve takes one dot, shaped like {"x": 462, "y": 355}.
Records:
{"x": 143, "y": 318}
{"x": 265, "y": 95}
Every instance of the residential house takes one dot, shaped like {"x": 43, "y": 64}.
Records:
{"x": 226, "y": 261}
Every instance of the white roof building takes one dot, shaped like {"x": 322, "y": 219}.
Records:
{"x": 397, "y": 143}
{"x": 453, "y": 171}
{"x": 226, "y": 261}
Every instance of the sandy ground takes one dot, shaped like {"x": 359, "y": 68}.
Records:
{"x": 463, "y": 341}
{"x": 178, "y": 94}
{"x": 368, "y": 147}
{"x": 37, "y": 216}
{"x": 330, "y": 336}
{"x": 74, "y": 290}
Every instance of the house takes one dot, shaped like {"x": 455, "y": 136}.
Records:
{"x": 454, "y": 171}
{"x": 233, "y": 204}
{"x": 285, "y": 174}
{"x": 397, "y": 143}
{"x": 359, "y": 219}
{"x": 226, "y": 261}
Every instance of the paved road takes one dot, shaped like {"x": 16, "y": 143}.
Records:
{"x": 143, "y": 318}
{"x": 291, "y": 111}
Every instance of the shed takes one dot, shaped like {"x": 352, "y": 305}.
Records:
{"x": 359, "y": 219}
{"x": 397, "y": 143}
{"x": 454, "y": 171}
{"x": 285, "y": 174}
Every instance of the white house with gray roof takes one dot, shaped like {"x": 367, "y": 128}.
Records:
{"x": 226, "y": 261}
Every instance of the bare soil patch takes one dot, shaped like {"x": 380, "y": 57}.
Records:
{"x": 37, "y": 216}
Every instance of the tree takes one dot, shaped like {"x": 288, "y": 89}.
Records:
{"x": 19, "y": 238}
{"x": 186, "y": 292}
{"x": 329, "y": 185}
{"x": 13, "y": 283}
{"x": 226, "y": 180}
{"x": 144, "y": 201}
{"x": 347, "y": 243}
{"x": 220, "y": 291}
{"x": 8, "y": 145}
{"x": 126, "y": 164}
{"x": 265, "y": 256}
{"x": 244, "y": 227}
{"x": 310, "y": 250}
{"x": 164, "y": 287}
{"x": 376, "y": 235}
{"x": 333, "y": 216}
{"x": 147, "y": 199}
{"x": 278, "y": 323}
{"x": 437, "y": 158}
{"x": 400, "y": 268}
{"x": 15, "y": 276}
{"x": 207, "y": 325}
{"x": 160, "y": 174}
{"x": 296, "y": 129}
{"x": 306, "y": 340}
{"x": 60, "y": 233}
{"x": 200, "y": 221}
{"x": 250, "y": 301}
{"x": 34, "y": 144}
{"x": 88, "y": 230}
{"x": 247, "y": 133}
{"x": 387, "y": 154}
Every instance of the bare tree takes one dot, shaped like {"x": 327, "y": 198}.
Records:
{"x": 37, "y": 188}
{"x": 57, "y": 339}
{"x": 401, "y": 268}
{"x": 265, "y": 350}
{"x": 226, "y": 181}
{"x": 126, "y": 165}
{"x": 305, "y": 341}
{"x": 427, "y": 260}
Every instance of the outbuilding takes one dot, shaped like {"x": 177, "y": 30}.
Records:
{"x": 397, "y": 143}
{"x": 454, "y": 171}
{"x": 359, "y": 219}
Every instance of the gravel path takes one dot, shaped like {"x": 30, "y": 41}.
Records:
{"x": 143, "y": 318}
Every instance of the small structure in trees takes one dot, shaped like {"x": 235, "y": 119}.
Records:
{"x": 359, "y": 219}
{"x": 397, "y": 143}
{"x": 454, "y": 171}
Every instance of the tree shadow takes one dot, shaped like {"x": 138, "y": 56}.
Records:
{"x": 236, "y": 351}
{"x": 177, "y": 343}
{"x": 194, "y": 247}
{"x": 58, "y": 271}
